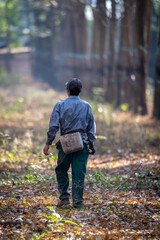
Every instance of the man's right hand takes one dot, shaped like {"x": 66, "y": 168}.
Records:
{"x": 45, "y": 149}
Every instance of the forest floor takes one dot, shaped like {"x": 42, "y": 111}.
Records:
{"x": 122, "y": 186}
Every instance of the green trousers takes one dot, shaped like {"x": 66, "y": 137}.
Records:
{"x": 78, "y": 162}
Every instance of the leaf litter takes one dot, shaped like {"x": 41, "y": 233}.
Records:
{"x": 122, "y": 187}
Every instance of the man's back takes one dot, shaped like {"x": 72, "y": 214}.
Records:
{"x": 74, "y": 115}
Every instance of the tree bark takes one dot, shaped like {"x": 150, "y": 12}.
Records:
{"x": 140, "y": 105}
{"x": 80, "y": 35}
{"x": 8, "y": 37}
{"x": 111, "y": 85}
{"x": 99, "y": 37}
{"x": 156, "y": 109}
{"x": 43, "y": 63}
{"x": 125, "y": 62}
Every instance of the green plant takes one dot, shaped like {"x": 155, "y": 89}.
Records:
{"x": 39, "y": 236}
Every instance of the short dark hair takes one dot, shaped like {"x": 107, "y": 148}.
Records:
{"x": 74, "y": 83}
{"x": 75, "y": 91}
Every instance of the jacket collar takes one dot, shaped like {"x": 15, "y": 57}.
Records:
{"x": 73, "y": 97}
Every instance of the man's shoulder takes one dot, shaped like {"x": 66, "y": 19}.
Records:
{"x": 83, "y": 101}
{"x": 58, "y": 104}
{"x": 61, "y": 101}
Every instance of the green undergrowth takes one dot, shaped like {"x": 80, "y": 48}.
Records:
{"x": 137, "y": 180}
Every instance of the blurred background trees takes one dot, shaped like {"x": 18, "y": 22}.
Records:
{"x": 10, "y": 26}
{"x": 111, "y": 45}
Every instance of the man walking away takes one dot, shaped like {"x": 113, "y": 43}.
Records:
{"x": 72, "y": 115}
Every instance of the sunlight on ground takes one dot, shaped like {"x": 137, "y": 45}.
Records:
{"x": 122, "y": 185}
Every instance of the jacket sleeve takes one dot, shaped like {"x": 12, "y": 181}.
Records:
{"x": 91, "y": 127}
{"x": 53, "y": 125}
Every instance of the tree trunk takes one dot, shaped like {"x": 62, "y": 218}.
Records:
{"x": 156, "y": 110}
{"x": 99, "y": 36}
{"x": 43, "y": 65}
{"x": 80, "y": 35}
{"x": 140, "y": 105}
{"x": 79, "y": 23}
{"x": 125, "y": 61}
{"x": 8, "y": 37}
{"x": 111, "y": 86}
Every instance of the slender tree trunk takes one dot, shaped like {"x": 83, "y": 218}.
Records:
{"x": 79, "y": 23}
{"x": 43, "y": 56}
{"x": 80, "y": 34}
{"x": 140, "y": 105}
{"x": 99, "y": 37}
{"x": 156, "y": 109}
{"x": 126, "y": 55}
{"x": 111, "y": 86}
{"x": 8, "y": 55}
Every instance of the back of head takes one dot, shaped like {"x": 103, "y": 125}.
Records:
{"x": 74, "y": 86}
